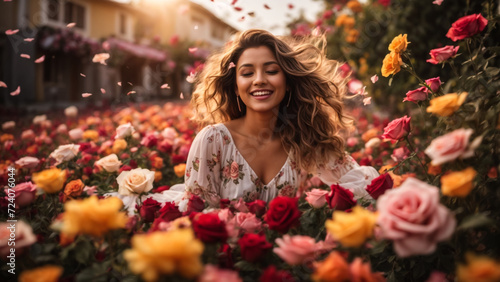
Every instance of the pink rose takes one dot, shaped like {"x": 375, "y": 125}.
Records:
{"x": 466, "y": 27}
{"x": 90, "y": 190}
{"x": 124, "y": 130}
{"x": 169, "y": 134}
{"x": 24, "y": 192}
{"x": 316, "y": 198}
{"x": 226, "y": 172}
{"x": 19, "y": 230}
{"x": 352, "y": 141}
{"x": 296, "y": 250}
{"x": 399, "y": 154}
{"x": 397, "y": 129}
{"x": 440, "y": 55}
{"x": 451, "y": 146}
{"x": 413, "y": 218}
{"x": 434, "y": 83}
{"x": 28, "y": 162}
{"x": 62, "y": 129}
{"x": 28, "y": 135}
{"x": 212, "y": 273}
{"x": 225, "y": 215}
{"x": 240, "y": 205}
{"x": 419, "y": 94}
{"x": 149, "y": 140}
{"x": 76, "y": 134}
{"x": 235, "y": 170}
{"x": 248, "y": 222}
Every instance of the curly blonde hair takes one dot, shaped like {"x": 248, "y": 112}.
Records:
{"x": 315, "y": 115}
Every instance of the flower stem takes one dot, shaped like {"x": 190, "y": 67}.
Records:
{"x": 411, "y": 70}
{"x": 471, "y": 56}
{"x": 420, "y": 161}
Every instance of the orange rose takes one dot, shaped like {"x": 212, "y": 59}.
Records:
{"x": 157, "y": 163}
{"x": 349, "y": 23}
{"x": 447, "y": 104}
{"x": 479, "y": 269}
{"x": 6, "y": 137}
{"x": 46, "y": 273}
{"x": 391, "y": 64}
{"x": 352, "y": 36}
{"x": 180, "y": 169}
{"x": 369, "y": 134}
{"x": 158, "y": 176}
{"x": 398, "y": 44}
{"x": 333, "y": 268}
{"x": 91, "y": 134}
{"x": 340, "y": 20}
{"x": 119, "y": 145}
{"x": 74, "y": 188}
{"x": 355, "y": 6}
{"x": 434, "y": 169}
{"x": 458, "y": 183}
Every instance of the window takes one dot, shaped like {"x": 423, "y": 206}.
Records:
{"x": 74, "y": 13}
{"x": 123, "y": 24}
{"x": 53, "y": 9}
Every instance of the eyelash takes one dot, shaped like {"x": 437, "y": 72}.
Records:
{"x": 250, "y": 73}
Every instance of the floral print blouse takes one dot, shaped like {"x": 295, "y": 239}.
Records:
{"x": 216, "y": 170}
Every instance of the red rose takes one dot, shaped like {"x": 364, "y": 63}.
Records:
{"x": 224, "y": 203}
{"x": 253, "y": 246}
{"x": 340, "y": 199}
{"x": 271, "y": 274}
{"x": 257, "y": 207}
{"x": 169, "y": 212}
{"x": 419, "y": 94}
{"x": 283, "y": 214}
{"x": 397, "y": 129}
{"x": 379, "y": 185}
{"x": 225, "y": 257}
{"x": 440, "y": 55}
{"x": 148, "y": 209}
{"x": 195, "y": 204}
{"x": 124, "y": 168}
{"x": 466, "y": 27}
{"x": 161, "y": 189}
{"x": 209, "y": 228}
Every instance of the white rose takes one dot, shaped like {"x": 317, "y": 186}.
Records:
{"x": 8, "y": 125}
{"x": 28, "y": 162}
{"x": 135, "y": 181}
{"x": 124, "y": 130}
{"x": 65, "y": 153}
{"x": 373, "y": 143}
{"x": 71, "y": 111}
{"x": 62, "y": 128}
{"x": 169, "y": 134}
{"x": 76, "y": 134}
{"x": 28, "y": 134}
{"x": 109, "y": 163}
{"x": 39, "y": 119}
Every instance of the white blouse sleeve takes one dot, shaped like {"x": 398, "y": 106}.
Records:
{"x": 348, "y": 174}
{"x": 203, "y": 168}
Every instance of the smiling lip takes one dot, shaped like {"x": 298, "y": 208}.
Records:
{"x": 261, "y": 94}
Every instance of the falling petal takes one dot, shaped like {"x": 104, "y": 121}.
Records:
{"x": 119, "y": 83}
{"x": 241, "y": 19}
{"x": 85, "y": 95}
{"x": 367, "y": 101}
{"x": 290, "y": 6}
{"x": 70, "y": 25}
{"x": 2, "y": 84}
{"x": 100, "y": 58}
{"x": 165, "y": 86}
{"x": 29, "y": 39}
{"x": 251, "y": 14}
{"x": 192, "y": 50}
{"x": 191, "y": 77}
{"x": 106, "y": 45}
{"x": 103, "y": 91}
{"x": 16, "y": 92}
{"x": 181, "y": 96}
{"x": 231, "y": 65}
{"x": 234, "y": 2}
{"x": 131, "y": 92}
{"x": 267, "y": 7}
{"x": 25, "y": 56}
{"x": 40, "y": 60}
{"x": 130, "y": 83}
{"x": 374, "y": 78}
{"x": 11, "y": 32}
{"x": 81, "y": 74}
{"x": 238, "y": 9}
{"x": 438, "y": 2}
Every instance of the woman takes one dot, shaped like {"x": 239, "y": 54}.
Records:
{"x": 272, "y": 109}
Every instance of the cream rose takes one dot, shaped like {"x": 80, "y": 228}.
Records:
{"x": 71, "y": 111}
{"x": 135, "y": 181}
{"x": 124, "y": 130}
{"x": 8, "y": 125}
{"x": 62, "y": 128}
{"x": 109, "y": 163}
{"x": 75, "y": 134}
{"x": 28, "y": 162}
{"x": 39, "y": 119}
{"x": 65, "y": 153}
{"x": 28, "y": 134}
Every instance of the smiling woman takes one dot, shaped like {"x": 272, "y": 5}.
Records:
{"x": 273, "y": 110}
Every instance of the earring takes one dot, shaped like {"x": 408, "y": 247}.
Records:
{"x": 289, "y": 98}
{"x": 238, "y": 101}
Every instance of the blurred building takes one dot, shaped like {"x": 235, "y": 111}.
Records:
{"x": 141, "y": 38}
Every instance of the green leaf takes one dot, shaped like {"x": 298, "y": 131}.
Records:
{"x": 475, "y": 221}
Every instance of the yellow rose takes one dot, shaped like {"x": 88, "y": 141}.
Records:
{"x": 352, "y": 229}
{"x": 355, "y": 6}
{"x": 447, "y": 104}
{"x": 48, "y": 273}
{"x": 180, "y": 169}
{"x": 458, "y": 183}
{"x": 391, "y": 64}
{"x": 398, "y": 44}
{"x": 91, "y": 134}
{"x": 157, "y": 253}
{"x": 119, "y": 145}
{"x": 333, "y": 268}
{"x": 92, "y": 216}
{"x": 479, "y": 269}
{"x": 50, "y": 180}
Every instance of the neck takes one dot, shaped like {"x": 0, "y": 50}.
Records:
{"x": 259, "y": 125}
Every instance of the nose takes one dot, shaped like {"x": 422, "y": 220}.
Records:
{"x": 260, "y": 78}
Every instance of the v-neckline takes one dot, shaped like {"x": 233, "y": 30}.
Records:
{"x": 251, "y": 169}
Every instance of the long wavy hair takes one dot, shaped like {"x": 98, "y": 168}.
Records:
{"x": 309, "y": 126}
